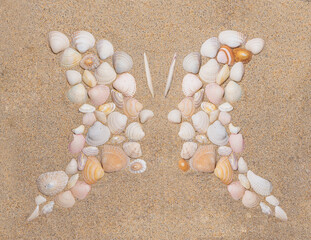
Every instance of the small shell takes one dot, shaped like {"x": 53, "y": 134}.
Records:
{"x": 79, "y": 130}
{"x": 233, "y": 129}
{"x": 225, "y": 55}
{"x": 65, "y": 199}
{"x": 255, "y": 45}
{"x": 70, "y": 58}
{"x": 81, "y": 161}
{"x": 186, "y": 107}
{"x": 208, "y": 72}
{"x": 117, "y": 98}
{"x": 107, "y": 108}
{"x": 92, "y": 171}
{"x": 210, "y": 47}
{"x": 77, "y": 144}
{"x": 208, "y": 107}
{"x": 233, "y": 92}
{"x": 77, "y": 94}
{"x": 224, "y": 151}
{"x": 231, "y": 38}
{"x": 198, "y": 98}
{"x": 117, "y": 139}
{"x": 200, "y": 122}
{"x": 89, "y": 62}
{"x": 51, "y": 183}
{"x": 280, "y": 213}
{"x": 188, "y": 149}
{"x": 272, "y": 200}
{"x": 183, "y": 165}
{"x": 80, "y": 190}
{"x": 99, "y": 94}
{"x": 244, "y": 181}
{"x": 40, "y": 199}
{"x": 236, "y": 143}
{"x": 48, "y": 208}
{"x": 72, "y": 181}
{"x": 265, "y": 208}
{"x": 214, "y": 93}
{"x": 132, "y": 107}
{"x": 83, "y": 41}
{"x": 204, "y": 159}
{"x": 122, "y": 62}
{"x": 174, "y": 116}
{"x": 89, "y": 79}
{"x": 104, "y": 49}
{"x": 201, "y": 139}
{"x": 213, "y": 116}
{"x": 224, "y": 170}
{"x": 90, "y": 151}
{"x": 191, "y": 84}
{"x": 145, "y": 115}
{"x": 105, "y": 74}
{"x": 87, "y": 108}
{"x": 223, "y": 75}
{"x": 217, "y": 134}
{"x": 224, "y": 118}
{"x": 132, "y": 149}
{"x": 138, "y": 166}
{"x": 117, "y": 122}
{"x": 233, "y": 161}
{"x": 237, "y": 72}
{"x": 259, "y": 184}
{"x": 170, "y": 76}
{"x": 58, "y": 41}
{"x": 73, "y": 77}
{"x": 242, "y": 165}
{"x": 134, "y": 132}
{"x": 236, "y": 190}
{"x": 34, "y": 214}
{"x": 114, "y": 158}
{"x": 88, "y": 119}
{"x": 242, "y": 55}
{"x": 72, "y": 167}
{"x": 98, "y": 134}
{"x": 225, "y": 107}
{"x": 186, "y": 131}
{"x": 192, "y": 62}
{"x": 126, "y": 84}
{"x": 250, "y": 199}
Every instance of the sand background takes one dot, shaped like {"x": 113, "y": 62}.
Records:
{"x": 163, "y": 203}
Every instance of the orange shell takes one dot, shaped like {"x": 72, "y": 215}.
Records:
{"x": 224, "y": 170}
{"x": 204, "y": 159}
{"x": 183, "y": 165}
{"x": 186, "y": 107}
{"x": 242, "y": 55}
{"x": 228, "y": 53}
{"x": 114, "y": 158}
{"x": 92, "y": 171}
{"x": 132, "y": 107}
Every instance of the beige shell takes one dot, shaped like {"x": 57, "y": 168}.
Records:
{"x": 192, "y": 62}
{"x": 217, "y": 134}
{"x": 186, "y": 131}
{"x": 132, "y": 149}
{"x": 89, "y": 62}
{"x": 186, "y": 107}
{"x": 126, "y": 84}
{"x": 213, "y": 116}
{"x": 58, "y": 41}
{"x": 280, "y": 213}
{"x": 198, "y": 98}
{"x": 188, "y": 149}
{"x": 48, "y": 208}
{"x": 122, "y": 62}
{"x": 105, "y": 74}
{"x": 98, "y": 134}
{"x": 117, "y": 98}
{"x": 265, "y": 208}
{"x": 208, "y": 72}
{"x": 210, "y": 47}
{"x": 250, "y": 199}
{"x": 255, "y": 45}
{"x": 100, "y": 116}
{"x": 34, "y": 214}
{"x": 237, "y": 72}
{"x": 191, "y": 84}
{"x": 92, "y": 171}
{"x": 65, "y": 199}
{"x": 145, "y": 115}
{"x": 104, "y": 49}
{"x": 208, "y": 107}
{"x": 223, "y": 74}
{"x": 134, "y": 132}
{"x": 116, "y": 122}
{"x": 86, "y": 108}
{"x": 200, "y": 122}
{"x": 73, "y": 77}
{"x": 107, "y": 108}
{"x": 132, "y": 107}
{"x": 72, "y": 180}
{"x": 204, "y": 159}
{"x": 70, "y": 58}
{"x": 233, "y": 92}
{"x": 114, "y": 158}
{"x": 83, "y": 41}
{"x": 259, "y": 184}
{"x": 224, "y": 170}
{"x": 77, "y": 94}
{"x": 117, "y": 139}
{"x": 244, "y": 181}
{"x": 40, "y": 199}
{"x": 51, "y": 183}
{"x": 242, "y": 165}
{"x": 231, "y": 38}
{"x": 72, "y": 167}
{"x": 174, "y": 116}
{"x": 89, "y": 79}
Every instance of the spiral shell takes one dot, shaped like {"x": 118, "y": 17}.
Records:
{"x": 134, "y": 132}
{"x": 92, "y": 171}
{"x": 132, "y": 107}
{"x": 83, "y": 41}
{"x": 192, "y": 62}
{"x": 104, "y": 49}
{"x": 186, "y": 131}
{"x": 105, "y": 74}
{"x": 65, "y": 199}
{"x": 188, "y": 149}
{"x": 114, "y": 158}
{"x": 58, "y": 41}
{"x": 122, "y": 62}
{"x": 51, "y": 183}
{"x": 132, "y": 149}
{"x": 117, "y": 98}
{"x": 208, "y": 72}
{"x": 231, "y": 38}
{"x": 210, "y": 47}
{"x": 190, "y": 84}
{"x": 224, "y": 170}
{"x": 200, "y": 122}
{"x": 204, "y": 159}
{"x": 250, "y": 199}
{"x": 186, "y": 107}
{"x": 117, "y": 122}
{"x": 126, "y": 84}
{"x": 70, "y": 58}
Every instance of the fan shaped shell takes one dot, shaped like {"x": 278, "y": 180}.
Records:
{"x": 114, "y": 158}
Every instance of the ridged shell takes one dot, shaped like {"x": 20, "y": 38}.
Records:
{"x": 72, "y": 181}
{"x": 80, "y": 190}
{"x": 122, "y": 62}
{"x": 224, "y": 151}
{"x": 72, "y": 167}
{"x": 116, "y": 122}
{"x": 58, "y": 41}
{"x": 217, "y": 134}
{"x": 77, "y": 94}
{"x": 89, "y": 79}
{"x": 186, "y": 131}
{"x": 98, "y": 134}
{"x": 242, "y": 165}
{"x": 117, "y": 98}
{"x": 191, "y": 84}
{"x": 265, "y": 208}
{"x": 223, "y": 74}
{"x": 114, "y": 158}
{"x": 117, "y": 139}
{"x": 145, "y": 115}
{"x": 82, "y": 158}
{"x": 225, "y": 55}
{"x": 132, "y": 107}
{"x": 92, "y": 171}
{"x": 233, "y": 92}
{"x": 214, "y": 93}
{"x": 105, "y": 74}
{"x": 233, "y": 161}
{"x": 250, "y": 199}
{"x": 65, "y": 199}
{"x": 104, "y": 49}
{"x": 201, "y": 139}
{"x": 231, "y": 38}
{"x": 237, "y": 72}
{"x": 242, "y": 55}
{"x": 236, "y": 190}
{"x": 188, "y": 149}
{"x": 198, "y": 98}
{"x": 134, "y": 132}
{"x": 126, "y": 84}
{"x": 272, "y": 200}
{"x": 174, "y": 116}
{"x": 192, "y": 62}
{"x": 70, "y": 58}
{"x": 83, "y": 41}
{"x": 200, "y": 122}
{"x": 186, "y": 107}
{"x": 204, "y": 159}
{"x": 76, "y": 145}
{"x": 51, "y": 183}
{"x": 210, "y": 47}
{"x": 90, "y": 151}
{"x": 244, "y": 181}
{"x": 208, "y": 107}
{"x": 89, "y": 62}
{"x": 99, "y": 94}
{"x": 259, "y": 184}
{"x": 208, "y": 72}
{"x": 132, "y": 149}
{"x": 280, "y": 213}
{"x": 138, "y": 166}
{"x": 224, "y": 170}
{"x": 255, "y": 45}
{"x": 73, "y": 77}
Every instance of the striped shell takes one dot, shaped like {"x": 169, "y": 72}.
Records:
{"x": 188, "y": 149}
{"x": 192, "y": 62}
{"x": 132, "y": 107}
{"x": 116, "y": 122}
{"x": 126, "y": 84}
{"x": 51, "y": 183}
{"x": 259, "y": 184}
{"x": 92, "y": 171}
{"x": 191, "y": 84}
{"x": 204, "y": 159}
{"x": 117, "y": 98}
{"x": 83, "y": 41}
{"x": 114, "y": 158}
{"x": 70, "y": 58}
{"x": 224, "y": 170}
{"x": 225, "y": 55}
{"x": 198, "y": 98}
{"x": 132, "y": 149}
{"x": 250, "y": 199}
{"x": 105, "y": 74}
{"x": 186, "y": 107}
{"x": 134, "y": 132}
{"x": 90, "y": 151}
{"x": 200, "y": 122}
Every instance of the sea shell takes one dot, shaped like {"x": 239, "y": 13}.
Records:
{"x": 217, "y": 134}
{"x": 134, "y": 132}
{"x": 92, "y": 171}
{"x": 83, "y": 41}
{"x": 105, "y": 74}
{"x": 265, "y": 208}
{"x": 255, "y": 45}
{"x": 236, "y": 190}
{"x": 34, "y": 214}
{"x": 224, "y": 151}
{"x": 80, "y": 190}
{"x": 117, "y": 98}
{"x": 114, "y": 158}
{"x": 99, "y": 94}
{"x": 145, "y": 115}
{"x": 237, "y": 72}
{"x": 280, "y": 213}
{"x": 201, "y": 139}
{"x": 198, "y": 98}
{"x": 90, "y": 151}
{"x": 117, "y": 122}
{"x": 224, "y": 118}
{"x": 98, "y": 134}
{"x": 210, "y": 47}
{"x": 40, "y": 199}
{"x": 107, "y": 108}
{"x": 82, "y": 158}
{"x": 208, "y": 107}
{"x": 190, "y": 84}
{"x": 224, "y": 170}
{"x": 200, "y": 122}
{"x": 89, "y": 79}
{"x": 138, "y": 166}
{"x": 204, "y": 159}
{"x": 214, "y": 93}
{"x": 100, "y": 116}
{"x": 192, "y": 62}
{"x": 186, "y": 131}
{"x": 78, "y": 130}
{"x": 236, "y": 142}
{"x": 234, "y": 129}
{"x": 77, "y": 94}
{"x": 233, "y": 92}
{"x": 65, "y": 199}
{"x": 89, "y": 62}
{"x": 126, "y": 84}
{"x": 213, "y": 116}
{"x": 117, "y": 139}
{"x": 77, "y": 144}
{"x": 233, "y": 161}
{"x": 48, "y": 208}
{"x": 51, "y": 183}
{"x": 148, "y": 75}
{"x": 186, "y": 107}
{"x": 88, "y": 119}
{"x": 122, "y": 62}
{"x": 183, "y": 165}
{"x": 58, "y": 41}
{"x": 70, "y": 58}
{"x": 272, "y": 200}
{"x": 259, "y": 184}
{"x": 170, "y": 76}
{"x": 208, "y": 72}
{"x": 242, "y": 165}
{"x": 72, "y": 167}
{"x": 132, "y": 107}
{"x": 73, "y": 77}
{"x": 242, "y": 55}
{"x": 225, "y": 107}
{"x": 244, "y": 181}
{"x": 132, "y": 149}
{"x": 86, "y": 108}
{"x": 231, "y": 38}
{"x": 174, "y": 116}
{"x": 104, "y": 49}
{"x": 223, "y": 75}
{"x": 72, "y": 181}
{"x": 188, "y": 149}
{"x": 225, "y": 55}
{"x": 250, "y": 199}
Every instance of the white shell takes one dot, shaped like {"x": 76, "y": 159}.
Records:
{"x": 250, "y": 199}
{"x": 231, "y": 38}
{"x": 122, "y": 62}
{"x": 117, "y": 98}
{"x": 208, "y": 72}
{"x": 242, "y": 165}
{"x": 213, "y": 116}
{"x": 77, "y": 94}
{"x": 34, "y": 214}
{"x": 83, "y": 41}
{"x": 79, "y": 130}
{"x": 186, "y": 131}
{"x": 244, "y": 181}
{"x": 89, "y": 79}
{"x": 188, "y": 150}
{"x": 224, "y": 151}
{"x": 265, "y": 208}
{"x": 201, "y": 139}
{"x": 192, "y": 62}
{"x": 116, "y": 122}
{"x": 217, "y": 134}
{"x": 73, "y": 77}
{"x": 104, "y": 49}
{"x": 70, "y": 58}
{"x": 210, "y": 47}
{"x": 255, "y": 45}
{"x": 259, "y": 184}
{"x": 237, "y": 72}
{"x": 134, "y": 132}
{"x": 72, "y": 167}
{"x": 272, "y": 200}
{"x": 174, "y": 116}
{"x": 105, "y": 74}
{"x": 132, "y": 149}
{"x": 190, "y": 84}
{"x": 225, "y": 107}
{"x": 98, "y": 134}
{"x": 87, "y": 108}
{"x": 223, "y": 74}
{"x": 126, "y": 84}
{"x": 72, "y": 181}
{"x": 280, "y": 213}
{"x": 48, "y": 208}
{"x": 117, "y": 139}
{"x": 145, "y": 115}
{"x": 234, "y": 129}
{"x": 58, "y": 41}
{"x": 233, "y": 161}
{"x": 90, "y": 151}
{"x": 233, "y": 92}
{"x": 51, "y": 183}
{"x": 40, "y": 199}
{"x": 200, "y": 122}
{"x": 198, "y": 98}
{"x": 141, "y": 162}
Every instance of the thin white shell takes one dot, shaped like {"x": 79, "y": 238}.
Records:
{"x": 122, "y": 62}
{"x": 72, "y": 167}
{"x": 280, "y": 213}
{"x": 104, "y": 49}
{"x": 237, "y": 72}
{"x": 188, "y": 150}
{"x": 192, "y": 62}
{"x": 272, "y": 200}
{"x": 217, "y": 134}
{"x": 116, "y": 122}
{"x": 105, "y": 74}
{"x": 48, "y": 208}
{"x": 134, "y": 132}
{"x": 83, "y": 41}
{"x": 200, "y": 122}
{"x": 255, "y": 45}
{"x": 231, "y": 38}
{"x": 210, "y": 47}
{"x": 174, "y": 116}
{"x": 145, "y": 115}
{"x": 58, "y": 41}
{"x": 224, "y": 151}
{"x": 259, "y": 184}
{"x": 208, "y": 72}
{"x": 132, "y": 149}
{"x": 242, "y": 165}
{"x": 51, "y": 183}
{"x": 265, "y": 208}
{"x": 73, "y": 77}
{"x": 186, "y": 131}
{"x": 190, "y": 84}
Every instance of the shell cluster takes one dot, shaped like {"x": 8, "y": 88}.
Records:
{"x": 212, "y": 143}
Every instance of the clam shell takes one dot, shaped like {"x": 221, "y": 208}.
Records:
{"x": 73, "y": 77}
{"x": 236, "y": 143}
{"x": 138, "y": 166}
{"x": 188, "y": 149}
{"x": 77, "y": 144}
{"x": 210, "y": 47}
{"x": 104, "y": 49}
{"x": 265, "y": 208}
{"x": 225, "y": 107}
{"x": 200, "y": 122}
{"x": 204, "y": 159}
{"x": 88, "y": 119}
{"x": 250, "y": 199}
{"x": 34, "y": 214}
{"x": 126, "y": 84}
{"x": 70, "y": 58}
{"x": 231, "y": 38}
{"x": 208, "y": 107}
{"x": 117, "y": 139}
{"x": 255, "y": 45}
{"x": 233, "y": 92}
{"x": 174, "y": 116}
{"x": 223, "y": 75}
{"x": 89, "y": 62}
{"x": 117, "y": 98}
{"x": 132, "y": 107}
{"x": 83, "y": 41}
{"x": 237, "y": 72}
{"x": 192, "y": 62}
{"x": 107, "y": 108}
{"x": 145, "y": 115}
{"x": 259, "y": 184}
{"x": 201, "y": 139}
{"x": 280, "y": 213}
{"x": 233, "y": 161}
{"x": 114, "y": 158}
{"x": 198, "y": 98}
{"x": 80, "y": 190}
{"x": 90, "y": 151}
{"x": 51, "y": 183}
{"x": 134, "y": 132}
{"x": 224, "y": 151}
{"x": 132, "y": 149}
{"x": 82, "y": 158}
{"x": 87, "y": 108}
{"x": 224, "y": 118}
{"x": 242, "y": 165}
{"x": 183, "y": 165}
{"x": 186, "y": 107}
{"x": 99, "y": 94}
{"x": 98, "y": 134}
{"x": 77, "y": 94}
{"x": 208, "y": 72}
{"x": 89, "y": 79}
{"x": 72, "y": 167}
{"x": 214, "y": 93}
{"x": 105, "y": 74}
{"x": 272, "y": 200}
{"x": 65, "y": 199}
{"x": 186, "y": 131}
{"x": 116, "y": 122}
{"x": 217, "y": 134}
{"x": 122, "y": 62}
{"x": 213, "y": 116}
{"x": 40, "y": 199}
{"x": 242, "y": 55}
{"x": 225, "y": 55}
{"x": 58, "y": 41}
{"x": 191, "y": 84}
{"x": 72, "y": 181}
{"x": 236, "y": 190}
{"x": 244, "y": 181}
{"x": 92, "y": 171}
{"x": 233, "y": 129}
{"x": 48, "y": 208}
{"x": 79, "y": 130}
{"x": 224, "y": 170}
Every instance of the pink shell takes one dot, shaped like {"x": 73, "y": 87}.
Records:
{"x": 77, "y": 144}
{"x": 214, "y": 93}
{"x": 80, "y": 190}
{"x": 236, "y": 142}
{"x": 99, "y": 94}
{"x": 89, "y": 119}
{"x": 224, "y": 118}
{"x": 236, "y": 190}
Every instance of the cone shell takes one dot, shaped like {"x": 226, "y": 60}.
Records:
{"x": 255, "y": 45}
{"x": 210, "y": 47}
{"x": 89, "y": 62}
{"x": 224, "y": 170}
{"x": 80, "y": 190}
{"x": 250, "y": 199}
{"x": 188, "y": 149}
{"x": 58, "y": 41}
{"x": 132, "y": 149}
{"x": 217, "y": 134}
{"x": 132, "y": 107}
{"x": 174, "y": 116}
{"x": 192, "y": 62}
{"x": 122, "y": 62}
{"x": 208, "y": 72}
{"x": 83, "y": 41}
{"x": 126, "y": 84}
{"x": 107, "y": 108}
{"x": 214, "y": 93}
{"x": 51, "y": 183}
{"x": 198, "y": 98}
{"x": 223, "y": 74}
{"x": 77, "y": 94}
{"x": 186, "y": 107}
{"x": 117, "y": 122}
{"x": 98, "y": 134}
{"x": 92, "y": 171}
{"x": 77, "y": 144}
{"x": 114, "y": 158}
{"x": 186, "y": 131}
{"x": 70, "y": 58}
{"x": 231, "y": 38}
{"x": 236, "y": 190}
{"x": 200, "y": 122}
{"x": 104, "y": 49}
{"x": 134, "y": 132}
{"x": 65, "y": 199}
{"x": 73, "y": 77}
{"x": 204, "y": 159}
{"x": 99, "y": 94}
{"x": 225, "y": 55}
{"x": 117, "y": 98}
{"x": 145, "y": 115}
{"x": 89, "y": 79}
{"x": 105, "y": 74}
{"x": 242, "y": 55}
{"x": 259, "y": 184}
{"x": 191, "y": 84}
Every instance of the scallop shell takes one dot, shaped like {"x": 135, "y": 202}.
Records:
{"x": 210, "y": 47}
{"x": 105, "y": 74}
{"x": 244, "y": 181}
{"x": 114, "y": 158}
{"x": 192, "y": 62}
{"x": 255, "y": 45}
{"x": 225, "y": 55}
{"x": 174, "y": 116}
{"x": 265, "y": 208}
{"x": 134, "y": 132}
{"x": 213, "y": 116}
{"x": 104, "y": 49}
{"x": 89, "y": 79}
{"x": 214, "y": 93}
{"x": 224, "y": 170}
{"x": 83, "y": 41}
{"x": 34, "y": 214}
{"x": 234, "y": 129}
{"x": 280, "y": 213}
{"x": 236, "y": 143}
{"x": 242, "y": 55}
{"x": 117, "y": 122}
{"x": 40, "y": 199}
{"x": 122, "y": 62}
{"x": 81, "y": 161}
{"x": 88, "y": 119}
{"x": 186, "y": 107}
{"x": 90, "y": 151}
{"x": 231, "y": 38}
{"x": 77, "y": 94}
{"x": 77, "y": 144}
{"x": 65, "y": 199}
{"x": 225, "y": 107}
{"x": 48, "y": 208}
{"x": 233, "y": 92}
{"x": 126, "y": 84}
{"x": 250, "y": 199}
{"x": 70, "y": 58}
{"x": 200, "y": 122}
{"x": 92, "y": 171}
{"x": 87, "y": 108}
{"x": 78, "y": 130}
{"x": 224, "y": 118}
{"x": 58, "y": 41}
{"x": 145, "y": 115}
{"x": 223, "y": 74}
{"x": 89, "y": 62}
{"x": 208, "y": 107}
{"x": 72, "y": 181}
{"x": 98, "y": 134}
{"x": 73, "y": 77}
{"x": 132, "y": 149}
{"x": 204, "y": 159}
{"x": 237, "y": 72}
{"x": 107, "y": 108}
{"x": 259, "y": 184}
{"x": 99, "y": 94}
{"x": 224, "y": 151}
{"x": 183, "y": 165}
{"x": 51, "y": 183}
{"x": 186, "y": 131}
{"x": 72, "y": 167}
{"x": 138, "y": 166}
{"x": 188, "y": 149}
{"x": 191, "y": 84}
{"x": 80, "y": 190}
{"x": 217, "y": 134}
{"x": 233, "y": 161}
{"x": 201, "y": 139}
{"x": 117, "y": 98}
{"x": 236, "y": 190}
{"x": 198, "y": 98}
{"x": 208, "y": 72}
{"x": 117, "y": 139}
{"x": 272, "y": 200}
{"x": 132, "y": 107}
{"x": 242, "y": 165}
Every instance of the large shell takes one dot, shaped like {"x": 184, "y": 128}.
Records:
{"x": 92, "y": 171}
{"x": 114, "y": 158}
{"x": 236, "y": 143}
{"x": 80, "y": 190}
{"x": 255, "y": 45}
{"x": 236, "y": 190}
{"x": 200, "y": 122}
{"x": 204, "y": 159}
{"x": 186, "y": 107}
{"x": 250, "y": 199}
{"x": 225, "y": 55}
{"x": 188, "y": 149}
{"x": 134, "y": 132}
{"x": 186, "y": 131}
{"x": 72, "y": 167}
{"x": 126, "y": 84}
{"x": 231, "y": 38}
{"x": 198, "y": 98}
{"x": 174, "y": 116}
{"x": 76, "y": 145}
{"x": 138, "y": 166}
{"x": 77, "y": 94}
{"x": 224, "y": 170}
{"x": 117, "y": 98}
{"x": 104, "y": 49}
{"x": 132, "y": 107}
{"x": 217, "y": 134}
{"x": 208, "y": 72}
{"x": 132, "y": 149}
{"x": 58, "y": 41}
{"x": 83, "y": 41}
{"x": 65, "y": 199}
{"x": 214, "y": 93}
{"x": 98, "y": 134}
{"x": 73, "y": 77}
{"x": 223, "y": 74}
{"x": 190, "y": 84}
{"x": 210, "y": 47}
{"x": 117, "y": 122}
{"x": 99, "y": 94}
{"x": 259, "y": 184}
{"x": 105, "y": 74}
{"x": 237, "y": 71}
{"x": 280, "y": 213}
{"x": 51, "y": 183}
{"x": 89, "y": 79}
{"x": 70, "y": 58}
{"x": 89, "y": 62}
{"x": 233, "y": 92}
{"x": 145, "y": 115}
{"x": 122, "y": 62}
{"x": 192, "y": 62}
